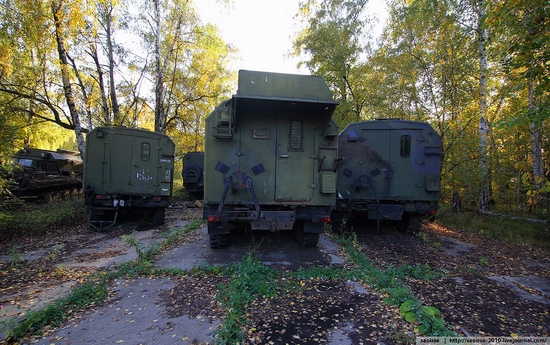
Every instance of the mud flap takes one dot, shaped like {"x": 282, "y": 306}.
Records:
{"x": 308, "y": 238}
{"x": 218, "y": 228}
{"x": 218, "y": 241}
{"x": 314, "y": 227}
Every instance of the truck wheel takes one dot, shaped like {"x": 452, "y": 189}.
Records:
{"x": 218, "y": 241}
{"x": 403, "y": 224}
{"x": 158, "y": 217}
{"x": 306, "y": 239}
{"x": 310, "y": 240}
{"x": 410, "y": 223}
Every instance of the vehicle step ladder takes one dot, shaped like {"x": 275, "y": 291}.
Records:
{"x": 98, "y": 217}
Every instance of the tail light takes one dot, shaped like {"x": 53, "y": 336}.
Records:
{"x": 430, "y": 213}
{"x": 325, "y": 219}
{"x": 214, "y": 218}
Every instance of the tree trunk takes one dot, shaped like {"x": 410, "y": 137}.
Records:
{"x": 159, "y": 85}
{"x": 64, "y": 65}
{"x": 104, "y": 105}
{"x": 536, "y": 141}
{"x": 483, "y": 122}
{"x": 114, "y": 102}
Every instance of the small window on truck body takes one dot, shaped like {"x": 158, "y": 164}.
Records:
{"x": 145, "y": 151}
{"x": 296, "y": 134}
{"x": 405, "y": 147}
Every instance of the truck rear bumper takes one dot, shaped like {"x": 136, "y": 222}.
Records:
{"x": 313, "y": 218}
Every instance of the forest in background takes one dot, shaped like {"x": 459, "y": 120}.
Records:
{"x": 477, "y": 70}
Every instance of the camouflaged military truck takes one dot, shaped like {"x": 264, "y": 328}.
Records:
{"x": 127, "y": 170}
{"x": 389, "y": 171}
{"x": 271, "y": 157}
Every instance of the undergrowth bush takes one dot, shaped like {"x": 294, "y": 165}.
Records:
{"x": 504, "y": 228}
{"x": 18, "y": 218}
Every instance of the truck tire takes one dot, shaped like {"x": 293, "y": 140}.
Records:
{"x": 310, "y": 240}
{"x": 218, "y": 241}
{"x": 158, "y": 216}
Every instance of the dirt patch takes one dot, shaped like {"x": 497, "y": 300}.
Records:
{"x": 484, "y": 290}
{"x": 311, "y": 315}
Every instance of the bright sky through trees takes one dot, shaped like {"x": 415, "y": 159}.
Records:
{"x": 263, "y": 30}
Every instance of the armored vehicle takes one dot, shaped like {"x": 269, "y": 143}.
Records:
{"x": 127, "y": 170}
{"x": 390, "y": 170}
{"x": 271, "y": 157}
{"x": 45, "y": 175}
{"x": 193, "y": 173}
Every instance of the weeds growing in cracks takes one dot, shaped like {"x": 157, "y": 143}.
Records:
{"x": 392, "y": 283}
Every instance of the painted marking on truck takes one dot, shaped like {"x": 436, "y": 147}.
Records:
{"x": 144, "y": 175}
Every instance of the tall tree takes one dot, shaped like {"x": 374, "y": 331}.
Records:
{"x": 30, "y": 74}
{"x": 169, "y": 32}
{"x": 524, "y": 27}
{"x": 59, "y": 11}
{"x": 480, "y": 9}
{"x": 333, "y": 40}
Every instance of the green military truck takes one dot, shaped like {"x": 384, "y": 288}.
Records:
{"x": 389, "y": 171}
{"x": 270, "y": 157}
{"x": 127, "y": 170}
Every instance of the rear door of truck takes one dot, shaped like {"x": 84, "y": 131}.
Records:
{"x": 405, "y": 157}
{"x": 143, "y": 165}
{"x": 391, "y": 157}
{"x": 295, "y": 157}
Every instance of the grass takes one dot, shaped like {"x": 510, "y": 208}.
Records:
{"x": 392, "y": 282}
{"x": 515, "y": 231}
{"x": 54, "y": 314}
{"x": 19, "y": 218}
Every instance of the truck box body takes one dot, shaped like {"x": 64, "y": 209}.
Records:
{"x": 271, "y": 155}
{"x": 390, "y": 170}
{"x": 128, "y": 168}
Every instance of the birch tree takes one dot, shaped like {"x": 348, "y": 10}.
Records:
{"x": 59, "y": 10}
{"x": 524, "y": 27}
{"x": 484, "y": 129}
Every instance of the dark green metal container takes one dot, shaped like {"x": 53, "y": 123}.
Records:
{"x": 271, "y": 157}
{"x": 390, "y": 170}
{"x": 127, "y": 169}
{"x": 193, "y": 174}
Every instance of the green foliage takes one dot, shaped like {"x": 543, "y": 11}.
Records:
{"x": 55, "y": 313}
{"x": 29, "y": 219}
{"x": 317, "y": 272}
{"x": 141, "y": 249}
{"x": 15, "y": 256}
{"x": 502, "y": 228}
{"x": 249, "y": 280}
{"x": 390, "y": 281}
{"x": 333, "y": 43}
{"x": 427, "y": 318}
